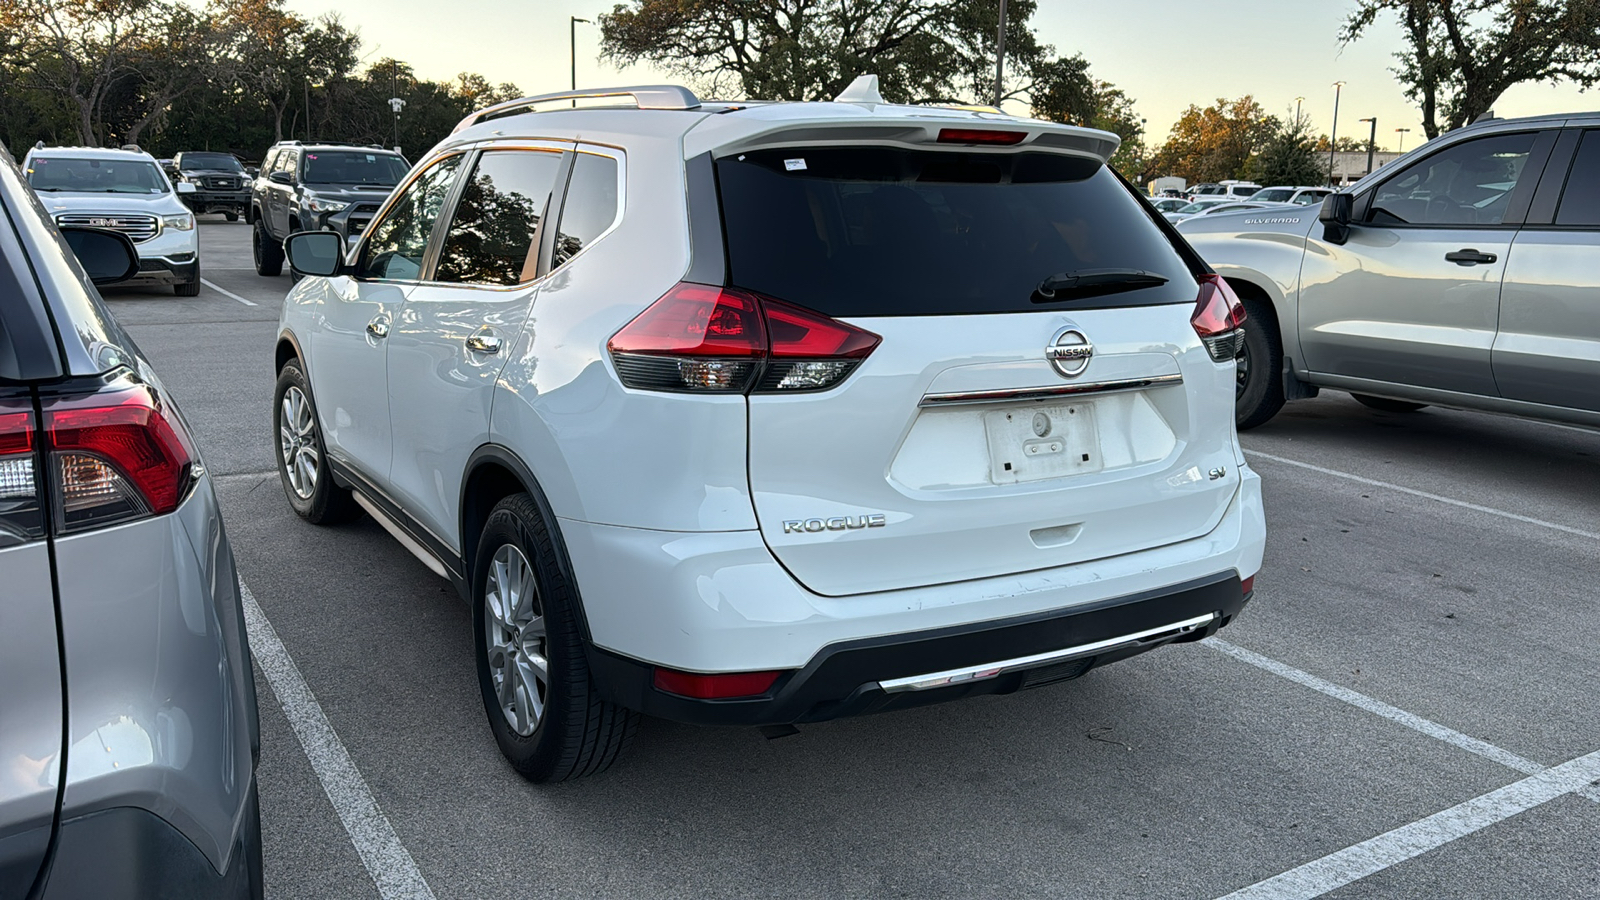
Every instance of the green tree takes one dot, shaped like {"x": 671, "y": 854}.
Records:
{"x": 1216, "y": 142}
{"x": 1461, "y": 55}
{"x": 1289, "y": 157}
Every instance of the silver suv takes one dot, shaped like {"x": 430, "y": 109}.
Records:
{"x": 1466, "y": 274}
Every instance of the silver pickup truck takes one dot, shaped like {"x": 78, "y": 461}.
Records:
{"x": 1465, "y": 274}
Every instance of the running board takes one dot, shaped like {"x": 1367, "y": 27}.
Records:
{"x": 996, "y": 669}
{"x": 407, "y": 541}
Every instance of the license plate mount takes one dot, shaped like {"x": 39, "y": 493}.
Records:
{"x": 1037, "y": 443}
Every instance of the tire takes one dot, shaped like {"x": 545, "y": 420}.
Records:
{"x": 302, "y": 458}
{"x": 1384, "y": 404}
{"x": 231, "y": 216}
{"x": 188, "y": 288}
{"x": 1259, "y": 394}
{"x": 575, "y": 733}
{"x": 268, "y": 253}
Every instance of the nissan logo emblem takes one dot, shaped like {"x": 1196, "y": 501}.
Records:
{"x": 1069, "y": 352}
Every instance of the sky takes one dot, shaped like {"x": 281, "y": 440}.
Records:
{"x": 1166, "y": 54}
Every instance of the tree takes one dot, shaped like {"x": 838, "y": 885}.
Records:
{"x": 923, "y": 51}
{"x": 1290, "y": 157}
{"x": 1463, "y": 54}
{"x": 1215, "y": 143}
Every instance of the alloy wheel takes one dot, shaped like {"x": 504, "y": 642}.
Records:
{"x": 297, "y": 443}
{"x": 514, "y": 634}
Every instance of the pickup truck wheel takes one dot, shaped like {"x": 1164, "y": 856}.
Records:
{"x": 1384, "y": 404}
{"x": 1259, "y": 392}
{"x": 546, "y": 715}
{"x": 268, "y": 253}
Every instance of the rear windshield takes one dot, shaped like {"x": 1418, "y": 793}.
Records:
{"x": 353, "y": 167}
{"x": 886, "y": 232}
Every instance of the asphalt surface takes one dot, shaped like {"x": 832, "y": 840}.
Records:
{"x": 1420, "y": 653}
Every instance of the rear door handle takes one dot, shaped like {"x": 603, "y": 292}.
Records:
{"x": 1470, "y": 257}
{"x": 483, "y": 343}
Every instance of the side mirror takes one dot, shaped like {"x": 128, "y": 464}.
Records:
{"x": 252, "y": 171}
{"x": 315, "y": 253}
{"x": 107, "y": 256}
{"x": 1337, "y": 211}
{"x": 184, "y": 187}
{"x": 281, "y": 178}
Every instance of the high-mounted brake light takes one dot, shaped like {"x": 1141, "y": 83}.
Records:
{"x": 725, "y": 686}
{"x": 21, "y": 512}
{"x": 704, "y": 339}
{"x": 981, "y": 136}
{"x": 1218, "y": 318}
{"x": 117, "y": 455}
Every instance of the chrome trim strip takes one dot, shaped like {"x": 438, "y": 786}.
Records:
{"x": 1019, "y": 395}
{"x": 395, "y": 531}
{"x": 995, "y": 669}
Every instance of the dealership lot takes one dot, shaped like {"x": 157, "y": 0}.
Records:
{"x": 1419, "y": 650}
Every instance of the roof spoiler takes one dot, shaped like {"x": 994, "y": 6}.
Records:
{"x": 652, "y": 96}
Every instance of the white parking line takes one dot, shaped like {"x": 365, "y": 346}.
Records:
{"x": 1353, "y": 863}
{"x": 391, "y": 867}
{"x": 1424, "y": 494}
{"x": 227, "y": 293}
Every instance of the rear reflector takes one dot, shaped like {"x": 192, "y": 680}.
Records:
{"x": 1248, "y": 585}
{"x": 704, "y": 339}
{"x": 1218, "y": 318}
{"x": 980, "y": 136}
{"x": 714, "y": 687}
{"x": 118, "y": 455}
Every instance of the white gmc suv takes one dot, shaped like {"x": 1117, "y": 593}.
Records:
{"x": 770, "y": 413}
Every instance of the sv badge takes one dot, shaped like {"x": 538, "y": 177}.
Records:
{"x": 837, "y": 523}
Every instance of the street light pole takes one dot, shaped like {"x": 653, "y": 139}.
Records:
{"x": 572, "y": 29}
{"x": 1000, "y": 57}
{"x": 1297, "y": 102}
{"x": 1402, "y": 132}
{"x": 396, "y": 104}
{"x": 1372, "y": 142}
{"x": 1333, "y": 136}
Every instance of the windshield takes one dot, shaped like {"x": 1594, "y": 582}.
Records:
{"x": 889, "y": 232}
{"x": 1208, "y": 189}
{"x": 100, "y": 176}
{"x": 353, "y": 167}
{"x": 1274, "y": 195}
{"x": 192, "y": 161}
{"x": 1199, "y": 205}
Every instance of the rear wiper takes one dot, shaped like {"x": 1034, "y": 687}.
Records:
{"x": 1089, "y": 282}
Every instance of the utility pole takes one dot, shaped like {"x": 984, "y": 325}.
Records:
{"x": 1372, "y": 142}
{"x": 1402, "y": 132}
{"x": 1297, "y": 102}
{"x": 1000, "y": 58}
{"x": 1333, "y": 137}
{"x": 396, "y": 104}
{"x": 572, "y": 33}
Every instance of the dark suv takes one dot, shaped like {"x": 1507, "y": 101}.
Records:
{"x": 219, "y": 179}
{"x": 317, "y": 187}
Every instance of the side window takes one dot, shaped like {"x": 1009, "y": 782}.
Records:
{"x": 270, "y": 161}
{"x": 397, "y": 243}
{"x": 1580, "y": 199}
{"x": 491, "y": 236}
{"x": 286, "y": 162}
{"x": 1468, "y": 184}
{"x": 590, "y": 207}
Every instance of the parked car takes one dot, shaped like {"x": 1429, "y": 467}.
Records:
{"x": 1299, "y": 196}
{"x": 220, "y": 183}
{"x": 126, "y": 191}
{"x": 311, "y": 187}
{"x": 1465, "y": 274}
{"x": 1169, "y": 204}
{"x": 127, "y": 702}
{"x": 1206, "y": 207}
{"x": 1227, "y": 189}
{"x": 697, "y": 413}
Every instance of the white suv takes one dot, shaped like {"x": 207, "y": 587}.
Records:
{"x": 762, "y": 414}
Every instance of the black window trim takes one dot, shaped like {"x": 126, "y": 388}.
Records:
{"x": 448, "y": 209}
{"x": 1544, "y": 140}
{"x": 1553, "y": 186}
{"x": 547, "y": 253}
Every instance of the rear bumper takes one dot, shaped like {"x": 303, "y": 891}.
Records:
{"x": 877, "y": 674}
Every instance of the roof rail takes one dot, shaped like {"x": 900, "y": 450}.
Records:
{"x": 650, "y": 96}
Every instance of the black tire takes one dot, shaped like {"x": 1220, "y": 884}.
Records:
{"x": 320, "y": 502}
{"x": 1259, "y": 394}
{"x": 1384, "y": 404}
{"x": 577, "y": 733}
{"x": 188, "y": 288}
{"x": 231, "y": 216}
{"x": 268, "y": 252}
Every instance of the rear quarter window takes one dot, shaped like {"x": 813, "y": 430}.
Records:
{"x": 890, "y": 232}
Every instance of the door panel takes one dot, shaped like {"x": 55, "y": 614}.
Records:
{"x": 30, "y": 715}
{"x": 1413, "y": 296}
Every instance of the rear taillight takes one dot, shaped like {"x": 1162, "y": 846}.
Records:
{"x": 21, "y": 509}
{"x": 1218, "y": 318}
{"x": 116, "y": 455}
{"x": 704, "y": 339}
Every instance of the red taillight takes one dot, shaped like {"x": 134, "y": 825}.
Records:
{"x": 117, "y": 455}
{"x": 714, "y": 687}
{"x": 21, "y": 513}
{"x": 16, "y": 433}
{"x": 1218, "y": 318}
{"x": 980, "y": 136}
{"x": 707, "y": 339}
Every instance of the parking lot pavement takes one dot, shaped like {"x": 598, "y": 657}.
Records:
{"x": 1405, "y": 710}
